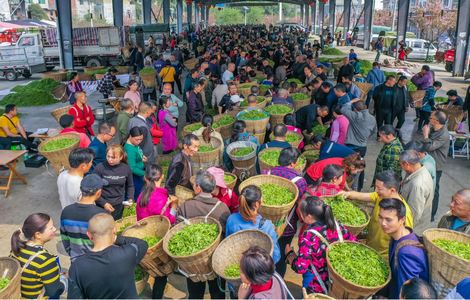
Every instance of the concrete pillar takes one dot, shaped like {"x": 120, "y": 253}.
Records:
{"x": 64, "y": 27}
{"x": 332, "y": 16}
{"x": 207, "y": 15}
{"x": 314, "y": 17}
{"x": 189, "y": 13}
{"x": 301, "y": 14}
{"x": 402, "y": 24}
{"x": 346, "y": 17}
{"x": 166, "y": 11}
{"x": 118, "y": 13}
{"x": 147, "y": 11}
{"x": 196, "y": 15}
{"x": 179, "y": 16}
{"x": 307, "y": 15}
{"x": 321, "y": 16}
{"x": 463, "y": 38}
{"x": 368, "y": 6}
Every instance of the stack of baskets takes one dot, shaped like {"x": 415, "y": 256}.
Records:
{"x": 11, "y": 269}
{"x": 446, "y": 269}
{"x": 245, "y": 163}
{"x": 365, "y": 87}
{"x": 197, "y": 266}
{"x": 278, "y": 118}
{"x": 155, "y": 262}
{"x": 59, "y": 159}
{"x": 257, "y": 127}
{"x": 56, "y": 75}
{"x": 204, "y": 160}
{"x": 59, "y": 112}
{"x": 417, "y": 98}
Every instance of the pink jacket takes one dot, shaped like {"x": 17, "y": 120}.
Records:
{"x": 154, "y": 207}
{"x": 339, "y": 129}
{"x": 169, "y": 138}
{"x": 295, "y": 129}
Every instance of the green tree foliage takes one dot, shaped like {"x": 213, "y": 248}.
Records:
{"x": 37, "y": 13}
{"x": 255, "y": 15}
{"x": 228, "y": 16}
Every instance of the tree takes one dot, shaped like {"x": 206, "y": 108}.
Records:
{"x": 255, "y": 15}
{"x": 228, "y": 16}
{"x": 382, "y": 17}
{"x": 432, "y": 21}
{"x": 36, "y": 12}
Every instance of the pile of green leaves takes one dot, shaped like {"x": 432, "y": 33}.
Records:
{"x": 225, "y": 120}
{"x": 366, "y": 66}
{"x": 147, "y": 71}
{"x": 4, "y": 282}
{"x": 278, "y": 109}
{"x": 411, "y": 86}
{"x": 332, "y": 51}
{"x": 228, "y": 178}
{"x": 242, "y": 151}
{"x": 346, "y": 212}
{"x": 318, "y": 129}
{"x": 245, "y": 85}
{"x": 193, "y": 127}
{"x": 292, "y": 137}
{"x": 205, "y": 148}
{"x": 58, "y": 144}
{"x": 295, "y": 80}
{"x": 454, "y": 247}
{"x": 152, "y": 240}
{"x": 96, "y": 71}
{"x": 299, "y": 96}
{"x": 35, "y": 93}
{"x": 330, "y": 60}
{"x": 358, "y": 264}
{"x": 123, "y": 227}
{"x": 311, "y": 155}
{"x": 129, "y": 211}
{"x": 270, "y": 157}
{"x": 210, "y": 111}
{"x": 138, "y": 274}
{"x": 259, "y": 99}
{"x": 263, "y": 88}
{"x": 439, "y": 100}
{"x": 232, "y": 271}
{"x": 253, "y": 115}
{"x": 192, "y": 239}
{"x": 276, "y": 195}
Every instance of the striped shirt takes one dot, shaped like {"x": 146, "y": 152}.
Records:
{"x": 42, "y": 272}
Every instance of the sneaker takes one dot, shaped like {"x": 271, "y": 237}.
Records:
{"x": 127, "y": 203}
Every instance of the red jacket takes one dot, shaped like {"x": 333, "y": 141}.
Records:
{"x": 80, "y": 123}
{"x": 315, "y": 171}
{"x": 156, "y": 133}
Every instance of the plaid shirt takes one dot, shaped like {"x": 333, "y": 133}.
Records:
{"x": 289, "y": 173}
{"x": 106, "y": 85}
{"x": 389, "y": 158}
{"x": 324, "y": 189}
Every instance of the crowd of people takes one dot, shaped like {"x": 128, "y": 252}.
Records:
{"x": 117, "y": 167}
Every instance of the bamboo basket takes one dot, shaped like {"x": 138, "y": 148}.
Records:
{"x": 226, "y": 130}
{"x": 59, "y": 112}
{"x": 183, "y": 194}
{"x": 365, "y": 87}
{"x": 446, "y": 269}
{"x": 122, "y": 69}
{"x": 190, "y": 63}
{"x": 124, "y": 223}
{"x": 266, "y": 167}
{"x": 278, "y": 118}
{"x": 230, "y": 251}
{"x": 315, "y": 296}
{"x": 155, "y": 262}
{"x": 355, "y": 230}
{"x": 59, "y": 159}
{"x": 298, "y": 104}
{"x": 204, "y": 160}
{"x": 116, "y": 104}
{"x": 120, "y": 92}
{"x": 342, "y": 288}
{"x": 231, "y": 184}
{"x": 141, "y": 284}
{"x": 294, "y": 144}
{"x": 242, "y": 162}
{"x": 11, "y": 269}
{"x": 148, "y": 79}
{"x": 99, "y": 76}
{"x": 185, "y": 130}
{"x": 417, "y": 98}
{"x": 59, "y": 75}
{"x": 85, "y": 77}
{"x": 60, "y": 93}
{"x": 196, "y": 266}
{"x": 310, "y": 159}
{"x": 246, "y": 89}
{"x": 261, "y": 105}
{"x": 455, "y": 115}
{"x": 257, "y": 127}
{"x": 276, "y": 214}
{"x": 308, "y": 136}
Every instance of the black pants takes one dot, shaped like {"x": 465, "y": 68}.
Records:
{"x": 362, "y": 151}
{"x": 383, "y": 117}
{"x": 118, "y": 210}
{"x": 281, "y": 266}
{"x": 159, "y": 287}
{"x": 178, "y": 84}
{"x": 400, "y": 116}
{"x": 196, "y": 290}
{"x": 423, "y": 118}
{"x": 7, "y": 142}
{"x": 435, "y": 200}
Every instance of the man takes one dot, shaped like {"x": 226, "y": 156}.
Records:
{"x": 353, "y": 91}
{"x": 375, "y": 77}
{"x": 82, "y": 114}
{"x": 352, "y": 54}
{"x": 279, "y": 132}
{"x": 306, "y": 116}
{"x": 328, "y": 148}
{"x": 383, "y": 97}
{"x": 298, "y": 67}
{"x": 387, "y": 185}
{"x": 180, "y": 170}
{"x": 228, "y": 76}
{"x": 252, "y": 105}
{"x": 424, "y": 79}
{"x": 218, "y": 93}
{"x": 407, "y": 255}
{"x": 74, "y": 218}
{"x": 417, "y": 288}
{"x": 191, "y": 79}
{"x": 202, "y": 205}
{"x": 424, "y": 158}
{"x": 11, "y": 130}
{"x": 453, "y": 99}
{"x": 176, "y": 103}
{"x": 429, "y": 104}
{"x": 341, "y": 94}
{"x": 106, "y": 133}
{"x": 320, "y": 70}
{"x": 417, "y": 188}
{"x": 346, "y": 70}
{"x": 68, "y": 181}
{"x": 309, "y": 76}
{"x": 326, "y": 95}
{"x": 283, "y": 97}
{"x": 195, "y": 109}
{"x": 145, "y": 110}
{"x": 107, "y": 271}
{"x": 458, "y": 218}
{"x": 389, "y": 155}
{"x": 436, "y": 144}
{"x": 401, "y": 101}
{"x": 66, "y": 122}
{"x": 231, "y": 98}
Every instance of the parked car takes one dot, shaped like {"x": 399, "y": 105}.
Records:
{"x": 420, "y": 49}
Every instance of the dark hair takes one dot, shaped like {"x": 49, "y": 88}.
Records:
{"x": 337, "y": 109}
{"x": 66, "y": 121}
{"x": 354, "y": 160}
{"x": 131, "y": 82}
{"x": 105, "y": 128}
{"x": 189, "y": 138}
{"x": 389, "y": 179}
{"x": 34, "y": 223}
{"x": 375, "y": 64}
{"x": 390, "y": 77}
{"x": 426, "y": 68}
{"x": 440, "y": 116}
{"x": 238, "y": 128}
{"x": 163, "y": 100}
{"x": 416, "y": 145}
{"x": 326, "y": 84}
{"x": 248, "y": 197}
{"x": 288, "y": 156}
{"x": 318, "y": 209}
{"x": 80, "y": 156}
{"x": 393, "y": 204}
{"x": 113, "y": 70}
{"x": 257, "y": 265}
{"x": 153, "y": 172}
{"x": 289, "y": 120}
{"x": 331, "y": 171}
{"x": 205, "y": 181}
{"x": 72, "y": 75}
{"x": 417, "y": 288}
{"x": 402, "y": 77}
{"x": 437, "y": 84}
{"x": 317, "y": 139}
{"x": 452, "y": 93}
{"x": 280, "y": 130}
{"x": 207, "y": 121}
{"x": 254, "y": 90}
{"x": 388, "y": 129}
{"x": 9, "y": 107}
{"x": 136, "y": 131}
{"x": 340, "y": 88}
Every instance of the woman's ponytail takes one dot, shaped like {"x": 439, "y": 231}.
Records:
{"x": 16, "y": 242}
{"x": 328, "y": 217}
{"x": 207, "y": 121}
{"x": 248, "y": 198}
{"x": 320, "y": 211}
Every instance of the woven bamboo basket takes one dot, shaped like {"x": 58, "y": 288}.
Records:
{"x": 124, "y": 223}
{"x": 116, "y": 104}
{"x": 190, "y": 63}
{"x": 342, "y": 288}
{"x": 155, "y": 262}
{"x": 294, "y": 144}
{"x": 85, "y": 77}
{"x": 231, "y": 184}
{"x": 310, "y": 156}
{"x": 148, "y": 79}
{"x": 183, "y": 194}
{"x": 446, "y": 269}
{"x": 263, "y": 166}
{"x": 260, "y": 105}
{"x": 230, "y": 251}
{"x": 242, "y": 162}
{"x": 197, "y": 266}
{"x": 122, "y": 69}
{"x": 308, "y": 136}
{"x": 278, "y": 118}
{"x": 365, "y": 87}
{"x": 257, "y": 127}
{"x": 298, "y": 104}
{"x": 59, "y": 159}
{"x": 120, "y": 91}
{"x": 455, "y": 115}
{"x": 204, "y": 160}
{"x": 59, "y": 112}
{"x": 245, "y": 88}
{"x": 60, "y": 93}
{"x": 58, "y": 75}
{"x": 274, "y": 213}
{"x": 315, "y": 296}
{"x": 417, "y": 98}
{"x": 186, "y": 131}
{"x": 226, "y": 130}
{"x": 141, "y": 284}
{"x": 11, "y": 269}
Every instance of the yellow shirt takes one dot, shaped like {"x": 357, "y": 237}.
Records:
{"x": 168, "y": 74}
{"x": 4, "y": 122}
{"x": 376, "y": 237}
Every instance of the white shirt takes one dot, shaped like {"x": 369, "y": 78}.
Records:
{"x": 69, "y": 188}
{"x": 227, "y": 76}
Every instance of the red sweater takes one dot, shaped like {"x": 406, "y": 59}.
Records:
{"x": 80, "y": 122}
{"x": 315, "y": 171}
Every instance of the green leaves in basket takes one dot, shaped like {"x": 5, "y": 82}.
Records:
{"x": 295, "y": 80}
{"x": 138, "y": 273}
{"x": 242, "y": 151}
{"x": 346, "y": 212}
{"x": 58, "y": 144}
{"x": 278, "y": 109}
{"x": 253, "y": 115}
{"x": 299, "y": 96}
{"x": 228, "y": 178}
{"x": 271, "y": 157}
{"x": 259, "y": 99}
{"x": 193, "y": 127}
{"x": 232, "y": 271}
{"x": 123, "y": 227}
{"x": 358, "y": 264}
{"x": 454, "y": 247}
{"x": 274, "y": 194}
{"x": 129, "y": 211}
{"x": 147, "y": 71}
{"x": 318, "y": 129}
{"x": 152, "y": 240}
{"x": 223, "y": 121}
{"x": 205, "y": 148}
{"x": 292, "y": 137}
{"x": 192, "y": 239}
{"x": 4, "y": 282}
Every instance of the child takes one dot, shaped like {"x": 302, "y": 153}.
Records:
{"x": 167, "y": 125}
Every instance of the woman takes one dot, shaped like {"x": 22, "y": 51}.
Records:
{"x": 106, "y": 85}
{"x": 249, "y": 218}
{"x": 329, "y": 185}
{"x": 167, "y": 74}
{"x": 136, "y": 158}
{"x": 339, "y": 127}
{"x": 352, "y": 164}
{"x": 257, "y": 273}
{"x": 322, "y": 230}
{"x": 167, "y": 125}
{"x": 73, "y": 86}
{"x": 289, "y": 121}
{"x": 122, "y": 120}
{"x": 133, "y": 94}
{"x": 207, "y": 133}
{"x": 41, "y": 270}
{"x": 222, "y": 192}
{"x": 238, "y": 134}
{"x": 120, "y": 182}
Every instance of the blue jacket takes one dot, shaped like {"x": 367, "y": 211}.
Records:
{"x": 354, "y": 92}
{"x": 376, "y": 77}
{"x": 331, "y": 149}
{"x": 236, "y": 223}
{"x": 344, "y": 99}
{"x": 99, "y": 149}
{"x": 428, "y": 101}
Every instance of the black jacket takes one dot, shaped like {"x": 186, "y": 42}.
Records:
{"x": 120, "y": 183}
{"x": 345, "y": 71}
{"x": 401, "y": 99}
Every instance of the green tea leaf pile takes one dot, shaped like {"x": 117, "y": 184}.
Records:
{"x": 318, "y": 129}
{"x": 278, "y": 109}
{"x": 4, "y": 282}
{"x": 299, "y": 96}
{"x": 123, "y": 227}
{"x": 259, "y": 99}
{"x": 295, "y": 80}
{"x": 58, "y": 144}
{"x": 271, "y": 157}
{"x": 205, "y": 148}
{"x": 192, "y": 239}
{"x": 292, "y": 137}
{"x": 193, "y": 127}
{"x": 276, "y": 195}
{"x": 232, "y": 271}
{"x": 346, "y": 212}
{"x": 152, "y": 240}
{"x": 253, "y": 115}
{"x": 129, "y": 211}
{"x": 228, "y": 178}
{"x": 311, "y": 155}
{"x": 454, "y": 247}
{"x": 358, "y": 264}
{"x": 35, "y": 93}
{"x": 147, "y": 71}
{"x": 225, "y": 120}
{"x": 242, "y": 151}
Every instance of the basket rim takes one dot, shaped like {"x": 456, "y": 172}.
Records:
{"x": 253, "y": 120}
{"x": 235, "y": 178}
{"x": 232, "y": 146}
{"x": 166, "y": 220}
{"x": 74, "y": 136}
{"x": 357, "y": 206}
{"x": 290, "y": 107}
{"x": 426, "y": 237}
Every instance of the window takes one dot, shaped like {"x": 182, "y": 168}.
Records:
{"x": 27, "y": 41}
{"x": 417, "y": 45}
{"x": 42, "y": 1}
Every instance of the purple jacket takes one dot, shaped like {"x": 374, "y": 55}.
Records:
{"x": 169, "y": 138}
{"x": 423, "y": 82}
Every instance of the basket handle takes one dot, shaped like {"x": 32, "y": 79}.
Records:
{"x": 186, "y": 221}
{"x": 138, "y": 224}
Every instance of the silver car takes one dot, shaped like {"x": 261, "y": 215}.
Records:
{"x": 420, "y": 49}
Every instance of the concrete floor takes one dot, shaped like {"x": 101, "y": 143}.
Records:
{"x": 40, "y": 194}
